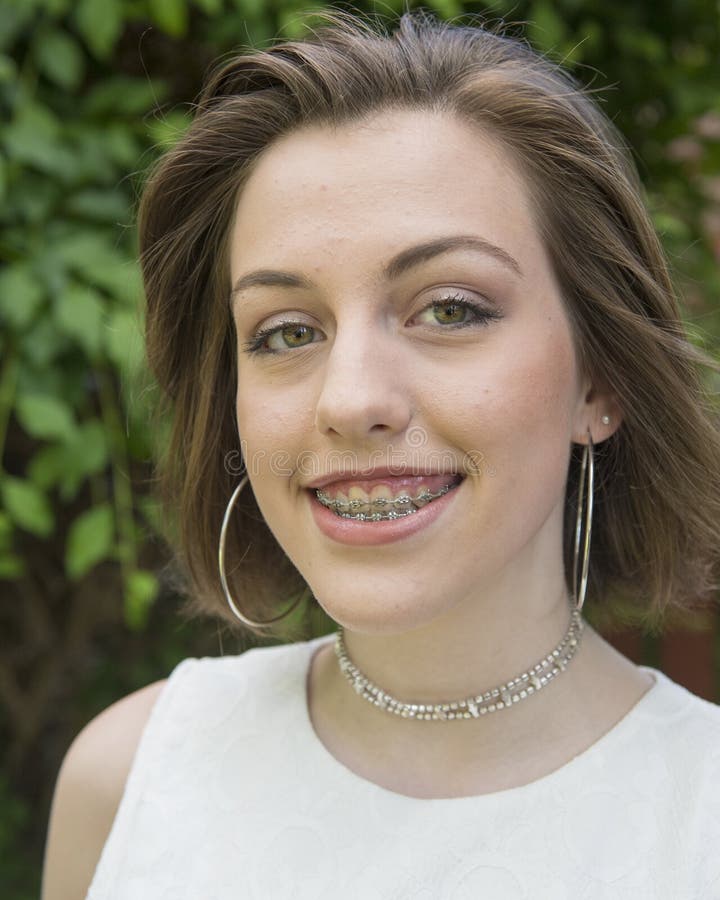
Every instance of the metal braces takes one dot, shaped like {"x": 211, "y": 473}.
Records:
{"x": 379, "y": 503}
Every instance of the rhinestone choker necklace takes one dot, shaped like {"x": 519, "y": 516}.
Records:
{"x": 507, "y": 694}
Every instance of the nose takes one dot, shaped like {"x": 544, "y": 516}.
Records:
{"x": 364, "y": 391}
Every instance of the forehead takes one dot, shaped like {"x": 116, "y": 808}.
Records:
{"x": 391, "y": 178}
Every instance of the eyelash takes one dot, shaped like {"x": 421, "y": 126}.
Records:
{"x": 482, "y": 317}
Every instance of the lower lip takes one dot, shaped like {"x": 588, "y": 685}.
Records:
{"x": 372, "y": 534}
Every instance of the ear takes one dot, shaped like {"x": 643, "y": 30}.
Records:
{"x": 595, "y": 402}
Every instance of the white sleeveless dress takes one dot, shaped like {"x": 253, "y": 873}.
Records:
{"x": 232, "y": 795}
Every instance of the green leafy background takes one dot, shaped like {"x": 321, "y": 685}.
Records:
{"x": 90, "y": 93}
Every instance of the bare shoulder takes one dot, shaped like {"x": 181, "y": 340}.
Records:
{"x": 89, "y": 787}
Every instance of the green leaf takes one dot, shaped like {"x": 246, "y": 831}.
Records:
{"x": 14, "y": 17}
{"x": 69, "y": 464}
{"x": 91, "y": 255}
{"x": 211, "y": 7}
{"x": 124, "y": 341}
{"x": 150, "y": 508}
{"x": 169, "y": 129}
{"x": 670, "y": 226}
{"x": 6, "y": 529}
{"x": 42, "y": 344}
{"x": 121, "y": 95}
{"x": 33, "y": 138}
{"x": 88, "y": 448}
{"x": 292, "y": 25}
{"x": 45, "y": 417}
{"x": 92, "y": 161}
{"x": 32, "y": 122}
{"x": 170, "y": 15}
{"x": 79, "y": 314}
{"x": 21, "y": 295}
{"x": 12, "y": 566}
{"x": 89, "y": 540}
{"x": 141, "y": 588}
{"x": 46, "y": 467}
{"x": 120, "y": 145}
{"x": 99, "y": 205}
{"x": 447, "y": 8}
{"x": 546, "y": 29}
{"x": 57, "y": 8}
{"x": 69, "y": 486}
{"x": 27, "y": 505}
{"x": 100, "y": 23}
{"x": 644, "y": 45}
{"x": 60, "y": 58}
{"x": 254, "y": 8}
{"x": 8, "y": 68}
{"x": 30, "y": 198}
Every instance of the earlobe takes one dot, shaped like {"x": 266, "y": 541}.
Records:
{"x": 603, "y": 425}
{"x": 601, "y": 416}
{"x": 610, "y": 416}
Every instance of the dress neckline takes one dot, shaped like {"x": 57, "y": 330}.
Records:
{"x": 323, "y": 758}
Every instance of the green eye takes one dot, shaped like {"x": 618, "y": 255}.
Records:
{"x": 457, "y": 311}
{"x": 449, "y": 312}
{"x": 295, "y": 335}
{"x": 291, "y": 335}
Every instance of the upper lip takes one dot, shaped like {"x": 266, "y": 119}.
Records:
{"x": 370, "y": 474}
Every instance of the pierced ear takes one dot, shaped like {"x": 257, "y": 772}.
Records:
{"x": 610, "y": 415}
{"x": 600, "y": 412}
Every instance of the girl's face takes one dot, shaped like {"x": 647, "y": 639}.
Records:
{"x": 427, "y": 335}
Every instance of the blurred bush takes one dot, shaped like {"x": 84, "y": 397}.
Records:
{"x": 90, "y": 93}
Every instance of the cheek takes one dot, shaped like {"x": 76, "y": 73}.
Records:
{"x": 255, "y": 422}
{"x": 535, "y": 412}
{"x": 551, "y": 372}
{"x": 514, "y": 408}
{"x": 538, "y": 375}
{"x": 273, "y": 428}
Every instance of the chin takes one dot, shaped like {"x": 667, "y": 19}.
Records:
{"x": 379, "y": 616}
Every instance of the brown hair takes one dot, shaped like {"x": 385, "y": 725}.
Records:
{"x": 657, "y": 509}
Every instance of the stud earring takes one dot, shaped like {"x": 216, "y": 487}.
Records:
{"x": 605, "y": 420}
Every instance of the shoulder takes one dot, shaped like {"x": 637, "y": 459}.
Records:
{"x": 693, "y": 727}
{"x": 190, "y": 710}
{"x": 89, "y": 787}
{"x": 685, "y": 730}
{"x": 690, "y": 720}
{"x": 220, "y": 680}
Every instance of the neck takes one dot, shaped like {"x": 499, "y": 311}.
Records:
{"x": 469, "y": 651}
{"x": 462, "y": 655}
{"x": 512, "y": 690}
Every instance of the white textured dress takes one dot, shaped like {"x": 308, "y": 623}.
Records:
{"x": 232, "y": 795}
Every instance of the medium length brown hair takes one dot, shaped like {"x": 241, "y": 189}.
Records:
{"x": 657, "y": 508}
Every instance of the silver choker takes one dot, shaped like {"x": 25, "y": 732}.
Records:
{"x": 513, "y": 691}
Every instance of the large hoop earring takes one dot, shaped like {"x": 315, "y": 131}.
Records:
{"x": 221, "y": 565}
{"x": 589, "y": 466}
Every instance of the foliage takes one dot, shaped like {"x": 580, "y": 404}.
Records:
{"x": 90, "y": 92}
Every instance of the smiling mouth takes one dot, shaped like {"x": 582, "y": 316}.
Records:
{"x": 383, "y": 509}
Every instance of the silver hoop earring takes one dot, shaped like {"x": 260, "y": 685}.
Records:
{"x": 221, "y": 565}
{"x": 588, "y": 466}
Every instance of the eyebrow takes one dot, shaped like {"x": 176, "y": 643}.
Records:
{"x": 397, "y": 266}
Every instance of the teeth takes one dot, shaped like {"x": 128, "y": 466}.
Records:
{"x": 341, "y": 498}
{"x": 425, "y": 496}
{"x": 381, "y": 492}
{"x": 379, "y": 504}
{"x": 358, "y": 500}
